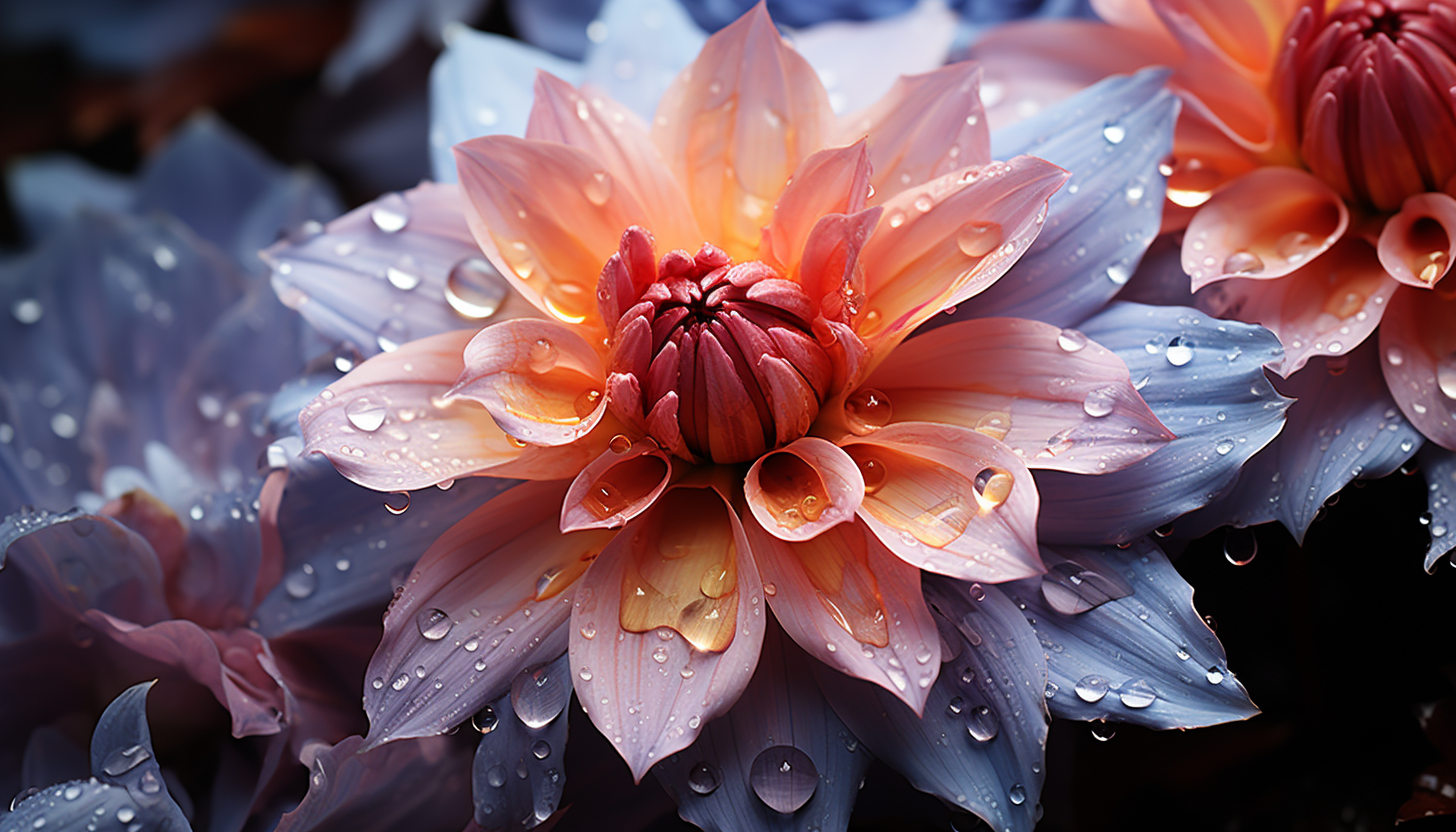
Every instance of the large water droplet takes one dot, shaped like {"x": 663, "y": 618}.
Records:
{"x": 539, "y": 695}
{"x": 1446, "y": 375}
{"x": 867, "y": 410}
{"x": 1100, "y": 402}
{"x": 485, "y": 720}
{"x": 1091, "y": 688}
{"x": 1180, "y": 351}
{"x": 365, "y": 414}
{"x": 1102, "y": 732}
{"x": 1072, "y": 589}
{"x": 474, "y": 289}
{"x": 1114, "y": 133}
{"x": 390, "y": 213}
{"x": 993, "y": 487}
{"x": 1071, "y": 340}
{"x": 434, "y": 624}
{"x": 784, "y": 778}
{"x": 982, "y": 724}
{"x": 391, "y": 333}
{"x": 301, "y": 582}
{"x": 1240, "y": 546}
{"x": 704, "y": 778}
{"x": 403, "y": 276}
{"x": 1137, "y": 694}
{"x": 977, "y": 239}
{"x": 1243, "y": 262}
{"x": 122, "y": 760}
{"x": 397, "y": 502}
{"x": 598, "y": 188}
{"x": 1017, "y": 794}
{"x": 496, "y": 776}
{"x": 542, "y": 356}
{"x": 27, "y": 310}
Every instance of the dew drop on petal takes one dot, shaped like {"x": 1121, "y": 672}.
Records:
{"x": 474, "y": 289}
{"x": 542, "y": 356}
{"x": 27, "y": 310}
{"x": 1243, "y": 262}
{"x": 1114, "y": 133}
{"x": 1240, "y": 546}
{"x": 1070, "y": 340}
{"x": 1100, "y": 402}
{"x": 122, "y": 760}
{"x": 1017, "y": 794}
{"x": 1137, "y": 693}
{"x": 397, "y": 502}
{"x": 704, "y": 778}
{"x": 598, "y": 188}
{"x": 867, "y": 410}
{"x": 301, "y": 582}
{"x": 982, "y": 724}
{"x": 1180, "y": 351}
{"x": 977, "y": 239}
{"x": 434, "y": 624}
{"x": 485, "y": 720}
{"x": 390, "y": 214}
{"x": 1394, "y": 357}
{"x": 784, "y": 778}
{"x": 620, "y": 444}
{"x": 1091, "y": 688}
{"x": 539, "y": 695}
{"x": 1446, "y": 375}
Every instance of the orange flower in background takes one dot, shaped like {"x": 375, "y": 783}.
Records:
{"x": 716, "y": 396}
{"x": 1314, "y": 169}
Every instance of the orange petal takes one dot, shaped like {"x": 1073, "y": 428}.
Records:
{"x": 926, "y": 126}
{"x": 1325, "y": 308}
{"x": 946, "y": 241}
{"x": 548, "y": 216}
{"x": 950, "y": 500}
{"x": 800, "y": 490}
{"x": 540, "y": 380}
{"x": 736, "y": 123}
{"x": 613, "y": 135}
{"x": 386, "y": 426}
{"x": 1418, "y": 244}
{"x": 853, "y": 605}
{"x": 1265, "y": 224}
{"x": 619, "y": 485}
{"x": 667, "y": 626}
{"x": 834, "y": 181}
{"x": 1418, "y": 355}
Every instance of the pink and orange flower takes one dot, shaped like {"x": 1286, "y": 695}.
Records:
{"x": 1313, "y": 169}
{"x": 714, "y": 401}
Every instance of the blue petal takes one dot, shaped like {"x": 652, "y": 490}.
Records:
{"x": 482, "y": 84}
{"x": 412, "y": 784}
{"x": 714, "y": 781}
{"x": 639, "y": 47}
{"x": 50, "y": 189}
{"x": 1146, "y": 658}
{"x": 519, "y": 768}
{"x": 122, "y": 755}
{"x": 1112, "y": 137}
{"x": 1204, "y": 379}
{"x": 344, "y": 552}
{"x": 1439, "y": 466}
{"x": 1343, "y": 425}
{"x": 981, "y": 744}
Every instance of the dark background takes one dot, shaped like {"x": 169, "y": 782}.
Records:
{"x": 1341, "y": 642}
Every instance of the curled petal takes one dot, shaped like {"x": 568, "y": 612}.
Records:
{"x": 941, "y": 243}
{"x": 803, "y": 488}
{"x": 617, "y": 138}
{"x": 1327, "y": 307}
{"x": 949, "y": 499}
{"x": 386, "y": 426}
{"x": 616, "y": 486}
{"x": 419, "y": 781}
{"x": 540, "y": 380}
{"x": 667, "y": 626}
{"x": 1053, "y": 396}
{"x": 548, "y": 216}
{"x": 486, "y": 599}
{"x": 1265, "y": 224}
{"x": 834, "y": 181}
{"x": 1418, "y": 244}
{"x": 829, "y": 267}
{"x": 1418, "y": 354}
{"x": 925, "y": 127}
{"x": 850, "y": 603}
{"x": 1439, "y": 467}
{"x": 735, "y": 125}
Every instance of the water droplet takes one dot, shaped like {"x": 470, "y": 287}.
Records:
{"x": 873, "y": 472}
{"x": 1102, "y": 732}
{"x": 1091, "y": 688}
{"x": 391, "y": 333}
{"x": 1114, "y": 133}
{"x": 496, "y": 775}
{"x": 1137, "y": 694}
{"x": 784, "y": 778}
{"x": 1214, "y": 675}
{"x": 704, "y": 778}
{"x": 397, "y": 502}
{"x": 402, "y": 277}
{"x": 434, "y": 624}
{"x": 620, "y": 444}
{"x": 1180, "y": 351}
{"x": 539, "y": 695}
{"x": 541, "y": 749}
{"x": 1017, "y": 794}
{"x": 1243, "y": 262}
{"x": 982, "y": 724}
{"x": 27, "y": 310}
{"x": 1100, "y": 402}
{"x": 977, "y": 592}
{"x": 542, "y": 356}
{"x": 485, "y": 720}
{"x": 126, "y": 814}
{"x": 586, "y": 403}
{"x": 1223, "y": 446}
{"x": 589, "y": 631}
{"x": 1446, "y": 375}
{"x": 149, "y": 783}
{"x": 1118, "y": 274}
{"x": 1071, "y": 340}
{"x": 1240, "y": 546}
{"x": 993, "y": 487}
{"x": 977, "y": 239}
{"x": 390, "y": 213}
{"x": 598, "y": 188}
{"x": 365, "y": 414}
{"x": 1394, "y": 357}
{"x": 122, "y": 760}
{"x": 72, "y": 792}
{"x": 867, "y": 410}
{"x": 1295, "y": 245}
{"x": 474, "y": 289}
{"x": 301, "y": 582}
{"x": 659, "y": 655}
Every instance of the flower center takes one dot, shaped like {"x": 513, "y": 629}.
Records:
{"x": 1368, "y": 97}
{"x": 715, "y": 360}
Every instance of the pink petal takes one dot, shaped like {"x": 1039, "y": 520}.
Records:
{"x": 1263, "y": 225}
{"x": 801, "y": 489}
{"x": 548, "y": 216}
{"x": 926, "y": 126}
{"x": 540, "y": 380}
{"x": 619, "y": 485}
{"x": 850, "y": 603}
{"x": 490, "y": 596}
{"x": 1054, "y": 398}
{"x": 834, "y": 181}
{"x": 950, "y": 500}
{"x": 617, "y": 138}
{"x": 650, "y": 692}
{"x": 828, "y": 267}
{"x": 1327, "y": 307}
{"x": 1418, "y": 354}
{"x": 386, "y": 426}
{"x": 941, "y": 243}
{"x": 736, "y": 123}
{"x": 1418, "y": 244}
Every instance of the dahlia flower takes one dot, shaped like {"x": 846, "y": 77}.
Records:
{"x": 1313, "y": 189}
{"x": 696, "y": 357}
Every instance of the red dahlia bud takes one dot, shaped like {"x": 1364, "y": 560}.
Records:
{"x": 715, "y": 360}
{"x": 1367, "y": 90}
